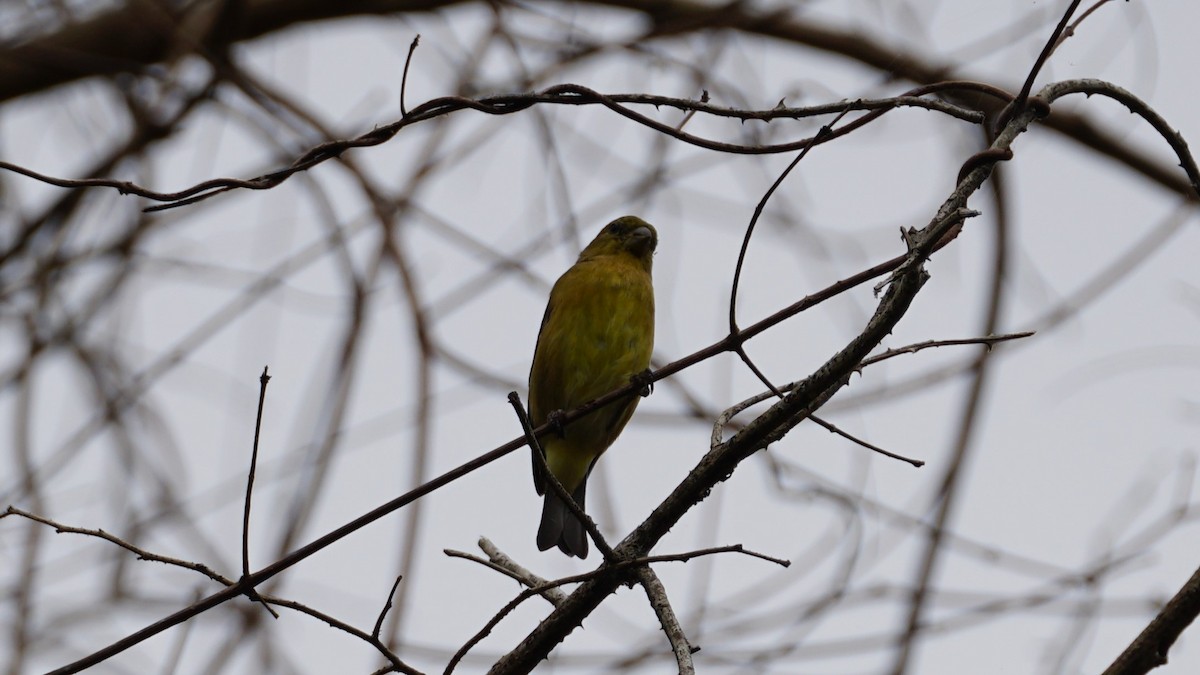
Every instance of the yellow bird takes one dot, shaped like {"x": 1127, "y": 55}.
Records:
{"x": 597, "y": 333}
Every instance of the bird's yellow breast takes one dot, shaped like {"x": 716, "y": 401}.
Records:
{"x": 598, "y": 332}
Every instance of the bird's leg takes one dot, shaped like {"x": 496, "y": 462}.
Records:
{"x": 645, "y": 380}
{"x": 555, "y": 420}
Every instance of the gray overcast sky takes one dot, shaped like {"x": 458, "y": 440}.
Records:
{"x": 1083, "y": 450}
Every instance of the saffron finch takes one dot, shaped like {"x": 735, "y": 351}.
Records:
{"x": 597, "y": 334}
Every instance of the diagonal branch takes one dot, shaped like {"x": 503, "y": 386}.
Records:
{"x": 806, "y": 397}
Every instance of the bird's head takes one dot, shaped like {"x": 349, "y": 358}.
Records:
{"x": 627, "y": 235}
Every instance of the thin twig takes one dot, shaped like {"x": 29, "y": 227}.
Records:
{"x": 386, "y": 606}
{"x": 687, "y": 116}
{"x": 915, "y": 347}
{"x": 498, "y": 557}
{"x": 412, "y": 47}
{"x": 729, "y": 413}
{"x": 564, "y": 94}
{"x": 539, "y": 458}
{"x": 826, "y": 130}
{"x": 1018, "y": 104}
{"x": 521, "y": 575}
{"x": 141, "y": 553}
{"x": 858, "y": 441}
{"x": 373, "y": 639}
{"x": 263, "y": 379}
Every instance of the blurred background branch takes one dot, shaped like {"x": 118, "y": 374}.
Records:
{"x": 395, "y": 290}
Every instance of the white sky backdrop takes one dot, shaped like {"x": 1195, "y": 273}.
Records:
{"x": 1088, "y": 428}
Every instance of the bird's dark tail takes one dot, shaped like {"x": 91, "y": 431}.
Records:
{"x": 560, "y": 527}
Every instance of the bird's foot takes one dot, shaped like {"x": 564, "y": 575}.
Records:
{"x": 645, "y": 380}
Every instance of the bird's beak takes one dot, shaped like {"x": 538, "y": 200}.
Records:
{"x": 641, "y": 241}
